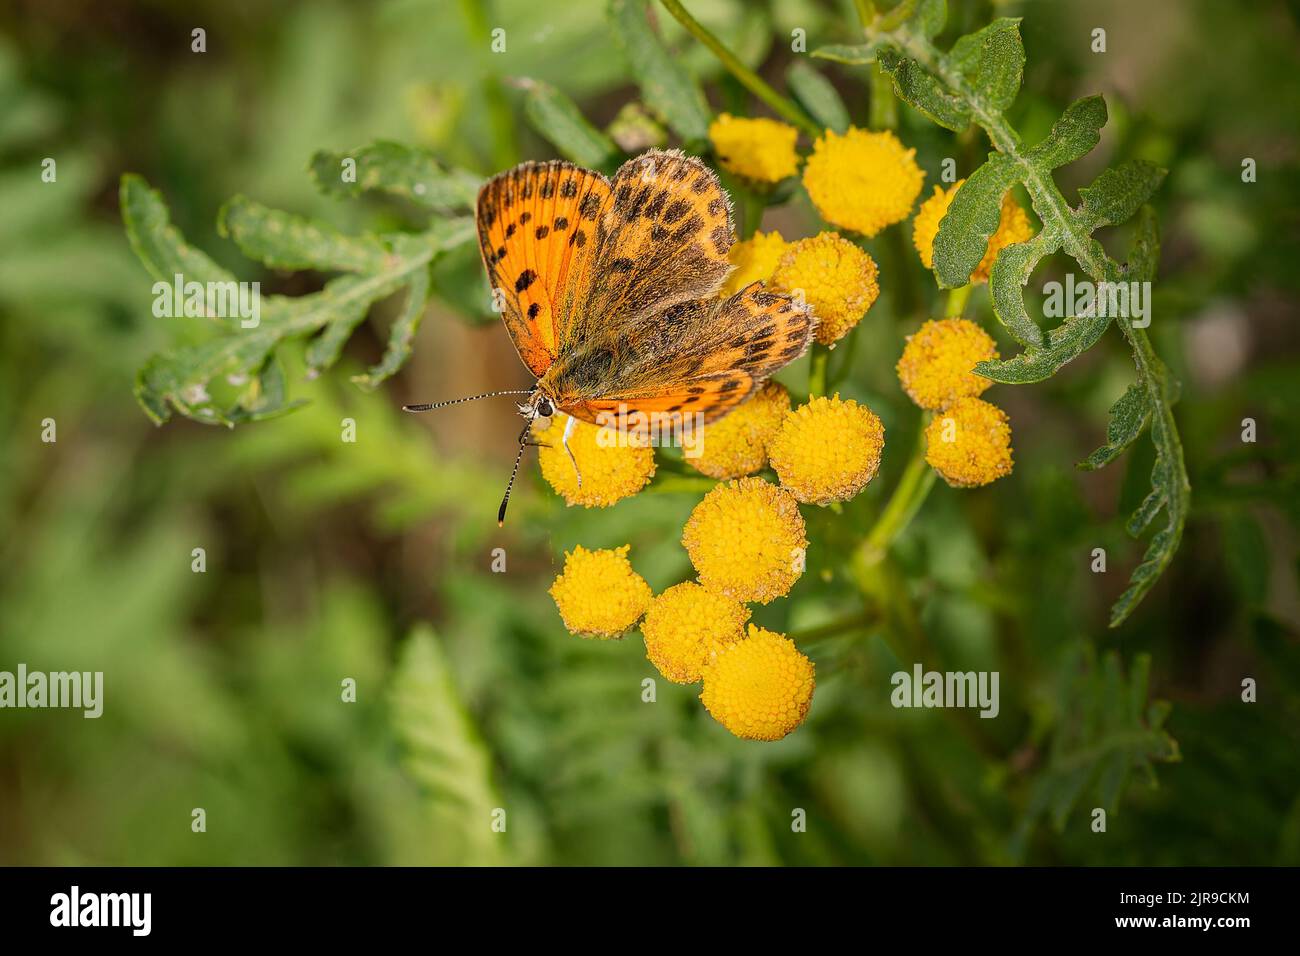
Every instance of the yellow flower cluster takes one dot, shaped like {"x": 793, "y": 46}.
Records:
{"x": 759, "y": 150}
{"x": 612, "y": 465}
{"x": 687, "y": 626}
{"x": 746, "y": 540}
{"x": 759, "y": 688}
{"x": 598, "y": 594}
{"x": 1013, "y": 227}
{"x": 969, "y": 441}
{"x": 834, "y": 276}
{"x": 755, "y": 260}
{"x": 862, "y": 181}
{"x": 737, "y": 444}
{"x": 827, "y": 450}
{"x": 935, "y": 369}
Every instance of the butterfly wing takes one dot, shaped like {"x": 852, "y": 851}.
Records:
{"x": 705, "y": 356}
{"x": 537, "y": 225}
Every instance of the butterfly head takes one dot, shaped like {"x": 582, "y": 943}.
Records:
{"x": 539, "y": 408}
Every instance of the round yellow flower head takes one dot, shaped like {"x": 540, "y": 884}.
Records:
{"x": 687, "y": 626}
{"x": 969, "y": 443}
{"x": 935, "y": 369}
{"x": 746, "y": 540}
{"x": 755, "y": 259}
{"x": 760, "y": 150}
{"x": 827, "y": 450}
{"x": 836, "y": 278}
{"x": 862, "y": 181}
{"x": 613, "y": 466}
{"x": 1013, "y": 227}
{"x": 759, "y": 688}
{"x": 737, "y": 444}
{"x": 598, "y": 593}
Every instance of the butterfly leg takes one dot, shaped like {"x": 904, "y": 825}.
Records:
{"x": 568, "y": 430}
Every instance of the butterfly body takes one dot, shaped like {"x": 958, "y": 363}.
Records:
{"x": 608, "y": 289}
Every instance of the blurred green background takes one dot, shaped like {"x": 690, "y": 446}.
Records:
{"x": 371, "y": 561}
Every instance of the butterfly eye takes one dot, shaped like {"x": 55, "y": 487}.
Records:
{"x": 545, "y": 409}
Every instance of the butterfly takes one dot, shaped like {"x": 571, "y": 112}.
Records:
{"x": 609, "y": 291}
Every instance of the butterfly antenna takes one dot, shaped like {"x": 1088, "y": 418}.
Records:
{"x": 430, "y": 406}
{"x": 523, "y": 443}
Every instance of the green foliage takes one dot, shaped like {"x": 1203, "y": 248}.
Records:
{"x": 667, "y": 87}
{"x": 976, "y": 81}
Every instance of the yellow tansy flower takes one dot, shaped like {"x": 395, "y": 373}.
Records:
{"x": 760, "y": 150}
{"x": 746, "y": 540}
{"x": 598, "y": 594}
{"x": 612, "y": 467}
{"x": 687, "y": 626}
{"x": 827, "y": 450}
{"x": 835, "y": 277}
{"x": 737, "y": 444}
{"x": 755, "y": 259}
{"x": 862, "y": 181}
{"x": 935, "y": 369}
{"x": 969, "y": 443}
{"x": 1013, "y": 227}
{"x": 759, "y": 688}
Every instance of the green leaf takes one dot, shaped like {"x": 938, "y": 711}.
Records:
{"x": 926, "y": 17}
{"x": 666, "y": 86}
{"x": 265, "y": 396}
{"x": 1106, "y": 731}
{"x": 413, "y": 174}
{"x": 818, "y": 96}
{"x": 284, "y": 241}
{"x": 920, "y": 90}
{"x": 1065, "y": 343}
{"x": 402, "y": 334}
{"x": 444, "y": 754}
{"x": 1007, "y": 279}
{"x": 1117, "y": 193}
{"x": 1074, "y": 135}
{"x": 557, "y": 118}
{"x": 159, "y": 244}
{"x": 993, "y": 62}
{"x": 970, "y": 222}
{"x": 1128, "y": 418}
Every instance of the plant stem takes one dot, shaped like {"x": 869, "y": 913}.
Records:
{"x": 852, "y": 622}
{"x": 820, "y": 359}
{"x": 884, "y": 108}
{"x": 505, "y": 150}
{"x": 913, "y": 487}
{"x": 783, "y": 107}
{"x": 751, "y": 212}
{"x": 956, "y": 302}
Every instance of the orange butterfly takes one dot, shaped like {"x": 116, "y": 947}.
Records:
{"x": 610, "y": 290}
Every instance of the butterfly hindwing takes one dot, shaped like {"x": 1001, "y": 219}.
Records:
{"x": 704, "y": 356}
{"x": 536, "y": 227}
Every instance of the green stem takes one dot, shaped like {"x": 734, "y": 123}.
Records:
{"x": 821, "y": 357}
{"x": 782, "y": 106}
{"x": 852, "y": 622}
{"x": 913, "y": 487}
{"x": 884, "y": 107}
{"x": 956, "y": 302}
{"x": 751, "y": 211}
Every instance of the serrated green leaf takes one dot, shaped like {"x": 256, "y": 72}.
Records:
{"x": 925, "y": 17}
{"x": 858, "y": 54}
{"x": 282, "y": 240}
{"x": 1128, "y": 418}
{"x": 557, "y": 119}
{"x": 444, "y": 754}
{"x": 971, "y": 220}
{"x": 1007, "y": 279}
{"x": 156, "y": 242}
{"x": 818, "y": 96}
{"x": 1117, "y": 193}
{"x": 922, "y": 91}
{"x": 993, "y": 62}
{"x": 413, "y": 174}
{"x": 402, "y": 333}
{"x": 1065, "y": 343}
{"x": 1074, "y": 135}
{"x": 265, "y": 397}
{"x": 667, "y": 88}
